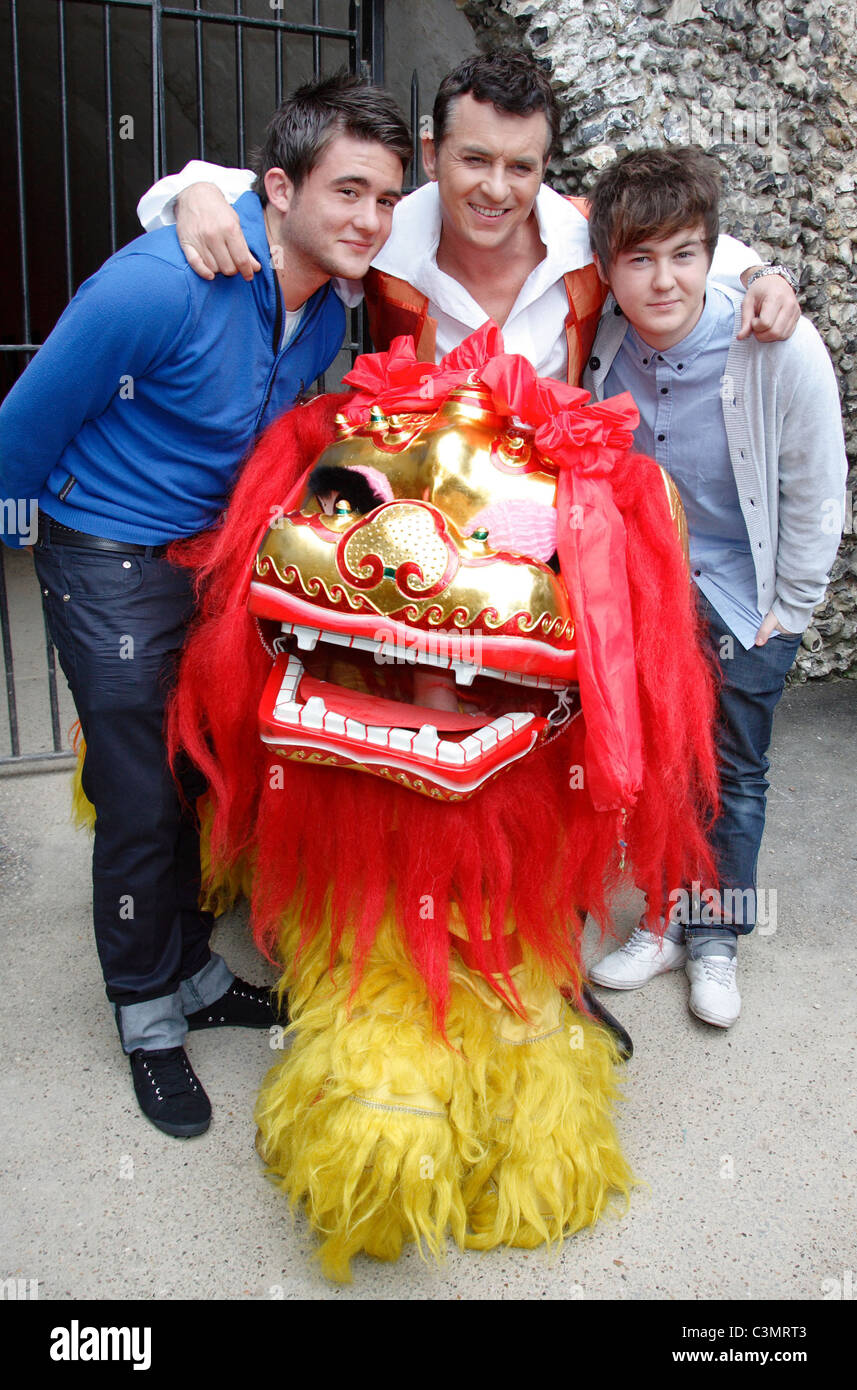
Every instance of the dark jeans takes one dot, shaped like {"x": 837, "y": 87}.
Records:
{"x": 118, "y": 622}
{"x": 753, "y": 682}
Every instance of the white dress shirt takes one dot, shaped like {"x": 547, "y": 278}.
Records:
{"x": 535, "y": 327}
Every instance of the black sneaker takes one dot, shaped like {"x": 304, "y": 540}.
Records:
{"x": 170, "y": 1092}
{"x": 242, "y": 1006}
{"x": 595, "y": 1009}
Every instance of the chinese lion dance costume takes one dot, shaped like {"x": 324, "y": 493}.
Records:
{"x": 446, "y": 689}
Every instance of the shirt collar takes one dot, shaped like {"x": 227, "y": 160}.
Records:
{"x": 413, "y": 242}
{"x": 411, "y": 251}
{"x": 682, "y": 355}
{"x": 349, "y": 291}
{"x": 565, "y": 233}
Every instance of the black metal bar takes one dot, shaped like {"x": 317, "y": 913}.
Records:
{"x": 119, "y": 4}
{"x": 53, "y": 694}
{"x": 239, "y": 82}
{"x": 248, "y": 21}
{"x": 66, "y": 173}
{"x": 244, "y": 21}
{"x": 63, "y": 759}
{"x": 375, "y": 52}
{"x": 355, "y": 47}
{"x": 19, "y": 156}
{"x": 8, "y": 664}
{"x": 316, "y": 43}
{"x": 108, "y": 111}
{"x": 159, "y": 135}
{"x": 415, "y": 130}
{"x": 200, "y": 83}
{"x": 278, "y": 68}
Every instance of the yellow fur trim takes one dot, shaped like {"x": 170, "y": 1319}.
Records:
{"x": 82, "y": 809}
{"x": 384, "y": 1133}
{"x": 222, "y": 885}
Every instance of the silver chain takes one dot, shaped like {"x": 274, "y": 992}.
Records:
{"x": 563, "y": 711}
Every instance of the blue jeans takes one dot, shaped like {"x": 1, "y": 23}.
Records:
{"x": 118, "y": 622}
{"x": 753, "y": 682}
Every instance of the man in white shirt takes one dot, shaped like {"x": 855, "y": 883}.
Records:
{"x": 485, "y": 238}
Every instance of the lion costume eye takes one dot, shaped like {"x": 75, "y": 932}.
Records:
{"x": 363, "y": 488}
{"x": 523, "y": 527}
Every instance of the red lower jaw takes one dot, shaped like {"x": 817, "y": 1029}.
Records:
{"x": 374, "y": 709}
{"x": 445, "y": 764}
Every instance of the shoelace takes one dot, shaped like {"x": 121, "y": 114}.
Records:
{"x": 639, "y": 940}
{"x": 174, "y": 1077}
{"x": 720, "y": 969}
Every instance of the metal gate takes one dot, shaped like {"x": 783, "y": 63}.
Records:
{"x": 100, "y": 98}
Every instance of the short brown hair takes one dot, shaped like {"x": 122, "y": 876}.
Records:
{"x": 512, "y": 82}
{"x": 303, "y": 126}
{"x": 652, "y": 194}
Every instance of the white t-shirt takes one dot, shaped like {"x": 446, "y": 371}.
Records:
{"x": 291, "y": 325}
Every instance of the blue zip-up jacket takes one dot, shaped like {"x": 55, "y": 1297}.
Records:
{"x": 131, "y": 421}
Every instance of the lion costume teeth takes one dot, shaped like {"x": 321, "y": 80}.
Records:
{"x": 554, "y": 713}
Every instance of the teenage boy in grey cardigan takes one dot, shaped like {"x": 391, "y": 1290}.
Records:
{"x": 751, "y": 433}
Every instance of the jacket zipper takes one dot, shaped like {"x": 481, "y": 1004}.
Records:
{"x": 309, "y": 318}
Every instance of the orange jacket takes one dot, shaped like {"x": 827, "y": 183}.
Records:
{"x": 395, "y": 308}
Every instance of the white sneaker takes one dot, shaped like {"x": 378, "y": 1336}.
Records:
{"x": 643, "y": 956}
{"x": 714, "y": 993}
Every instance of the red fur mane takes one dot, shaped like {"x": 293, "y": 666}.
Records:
{"x": 528, "y": 846}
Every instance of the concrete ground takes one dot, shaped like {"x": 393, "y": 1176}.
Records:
{"x": 744, "y": 1139}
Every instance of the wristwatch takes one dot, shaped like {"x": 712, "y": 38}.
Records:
{"x": 783, "y": 270}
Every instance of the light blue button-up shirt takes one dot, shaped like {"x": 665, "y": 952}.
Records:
{"x": 677, "y": 393}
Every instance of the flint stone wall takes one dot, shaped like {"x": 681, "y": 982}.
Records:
{"x": 770, "y": 88}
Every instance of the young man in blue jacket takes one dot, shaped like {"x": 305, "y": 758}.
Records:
{"x": 128, "y": 430}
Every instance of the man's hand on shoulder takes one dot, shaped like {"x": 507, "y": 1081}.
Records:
{"x": 770, "y": 309}
{"x": 210, "y": 234}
